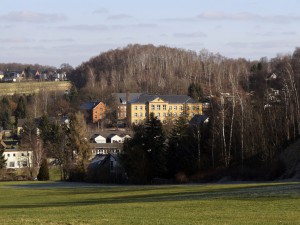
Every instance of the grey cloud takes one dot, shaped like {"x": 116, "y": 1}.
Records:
{"x": 29, "y": 48}
{"x": 187, "y": 19}
{"x": 267, "y": 44}
{"x": 144, "y": 25}
{"x": 57, "y": 40}
{"x": 246, "y": 16}
{"x": 240, "y": 16}
{"x": 289, "y": 33}
{"x": 15, "y": 40}
{"x": 215, "y": 15}
{"x": 270, "y": 34}
{"x": 119, "y": 17}
{"x": 101, "y": 11}
{"x": 189, "y": 35}
{"x": 85, "y": 27}
{"x": 238, "y": 44}
{"x": 31, "y": 17}
{"x": 194, "y": 44}
{"x": 139, "y": 25}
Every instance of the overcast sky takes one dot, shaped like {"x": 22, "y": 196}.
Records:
{"x": 52, "y": 32}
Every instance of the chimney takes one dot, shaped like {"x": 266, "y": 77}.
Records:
{"x": 127, "y": 96}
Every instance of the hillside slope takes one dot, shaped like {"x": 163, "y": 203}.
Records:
{"x": 291, "y": 159}
{"x": 32, "y": 87}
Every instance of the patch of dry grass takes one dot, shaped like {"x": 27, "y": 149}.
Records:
{"x": 32, "y": 87}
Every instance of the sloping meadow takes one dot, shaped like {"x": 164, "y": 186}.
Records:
{"x": 79, "y": 203}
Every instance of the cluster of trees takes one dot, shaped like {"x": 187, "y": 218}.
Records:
{"x": 42, "y": 137}
{"x": 252, "y": 117}
{"x": 67, "y": 145}
{"x": 155, "y": 152}
{"x": 13, "y": 108}
{"x": 24, "y": 67}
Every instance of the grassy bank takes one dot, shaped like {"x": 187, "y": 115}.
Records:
{"x": 32, "y": 87}
{"x": 74, "y": 203}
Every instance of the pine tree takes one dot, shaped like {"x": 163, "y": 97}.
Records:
{"x": 79, "y": 144}
{"x": 181, "y": 153}
{"x": 195, "y": 91}
{"x": 144, "y": 156}
{"x": 21, "y": 110}
{"x": 155, "y": 147}
{"x": 44, "y": 126}
{"x": 2, "y": 159}
{"x": 5, "y": 113}
{"x": 44, "y": 171}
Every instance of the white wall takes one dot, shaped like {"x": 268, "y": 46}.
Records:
{"x": 17, "y": 159}
{"x": 100, "y": 139}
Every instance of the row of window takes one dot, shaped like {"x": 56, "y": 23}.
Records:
{"x": 14, "y": 155}
{"x": 12, "y": 164}
{"x": 106, "y": 151}
{"x": 164, "y": 107}
{"x": 136, "y": 121}
{"x": 159, "y": 114}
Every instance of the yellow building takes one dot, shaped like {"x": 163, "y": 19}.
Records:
{"x": 164, "y": 107}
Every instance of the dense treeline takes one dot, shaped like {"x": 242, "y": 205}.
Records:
{"x": 143, "y": 68}
{"x": 253, "y": 115}
{"x": 20, "y": 67}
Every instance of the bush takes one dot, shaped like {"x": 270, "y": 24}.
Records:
{"x": 77, "y": 175}
{"x": 276, "y": 169}
{"x": 44, "y": 171}
{"x": 181, "y": 177}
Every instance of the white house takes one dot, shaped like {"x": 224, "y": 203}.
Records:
{"x": 114, "y": 138}
{"x": 124, "y": 137}
{"x": 17, "y": 159}
{"x": 99, "y": 139}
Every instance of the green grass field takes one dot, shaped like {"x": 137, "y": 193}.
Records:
{"x": 77, "y": 203}
{"x": 32, "y": 87}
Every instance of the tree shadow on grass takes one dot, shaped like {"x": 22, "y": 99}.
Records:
{"x": 265, "y": 193}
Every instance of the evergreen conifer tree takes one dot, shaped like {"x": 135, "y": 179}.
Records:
{"x": 21, "y": 110}
{"x": 2, "y": 147}
{"x": 181, "y": 153}
{"x": 79, "y": 144}
{"x": 155, "y": 147}
{"x": 2, "y": 159}
{"x": 195, "y": 91}
{"x": 144, "y": 156}
{"x": 44, "y": 171}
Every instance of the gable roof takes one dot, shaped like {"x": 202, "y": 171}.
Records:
{"x": 89, "y": 105}
{"x": 96, "y": 161}
{"x": 178, "y": 99}
{"x": 112, "y": 135}
{"x": 124, "y": 135}
{"x": 122, "y": 97}
{"x": 100, "y": 159}
{"x": 94, "y": 136}
{"x": 144, "y": 98}
{"x": 199, "y": 120}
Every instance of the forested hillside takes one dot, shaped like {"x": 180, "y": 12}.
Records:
{"x": 255, "y": 105}
{"x": 153, "y": 69}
